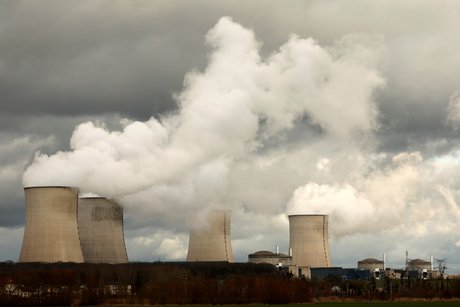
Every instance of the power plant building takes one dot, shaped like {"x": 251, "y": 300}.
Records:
{"x": 213, "y": 241}
{"x": 51, "y": 230}
{"x": 371, "y": 264}
{"x": 100, "y": 223}
{"x": 271, "y": 258}
{"x": 419, "y": 265}
{"x": 308, "y": 241}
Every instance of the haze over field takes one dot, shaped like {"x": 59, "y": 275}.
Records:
{"x": 348, "y": 110}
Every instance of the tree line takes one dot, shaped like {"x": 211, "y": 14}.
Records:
{"x": 39, "y": 284}
{"x": 58, "y": 284}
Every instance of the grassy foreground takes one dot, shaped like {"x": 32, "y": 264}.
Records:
{"x": 322, "y": 304}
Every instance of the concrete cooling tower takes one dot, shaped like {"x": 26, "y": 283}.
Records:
{"x": 309, "y": 240}
{"x": 100, "y": 223}
{"x": 51, "y": 231}
{"x": 212, "y": 242}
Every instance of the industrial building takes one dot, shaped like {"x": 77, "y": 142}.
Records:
{"x": 278, "y": 259}
{"x": 212, "y": 242}
{"x": 344, "y": 273}
{"x": 308, "y": 241}
{"x": 418, "y": 268}
{"x": 51, "y": 231}
{"x": 371, "y": 264}
{"x": 419, "y": 265}
{"x": 100, "y": 225}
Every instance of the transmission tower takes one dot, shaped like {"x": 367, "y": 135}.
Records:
{"x": 441, "y": 266}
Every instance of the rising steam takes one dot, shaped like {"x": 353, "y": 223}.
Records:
{"x": 237, "y": 106}
{"x": 254, "y": 134}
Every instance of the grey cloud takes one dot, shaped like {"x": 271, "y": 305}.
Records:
{"x": 97, "y": 57}
{"x": 92, "y": 59}
{"x": 13, "y": 214}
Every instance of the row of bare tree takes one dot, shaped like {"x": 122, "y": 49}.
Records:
{"x": 38, "y": 284}
{"x": 27, "y": 284}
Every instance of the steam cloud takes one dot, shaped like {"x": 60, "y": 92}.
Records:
{"x": 256, "y": 134}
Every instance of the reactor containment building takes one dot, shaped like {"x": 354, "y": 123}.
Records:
{"x": 100, "y": 226}
{"x": 51, "y": 230}
{"x": 213, "y": 241}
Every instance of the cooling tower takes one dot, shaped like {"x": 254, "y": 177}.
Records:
{"x": 309, "y": 240}
{"x": 51, "y": 231}
{"x": 100, "y": 224}
{"x": 212, "y": 242}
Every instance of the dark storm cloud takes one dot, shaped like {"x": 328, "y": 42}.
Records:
{"x": 13, "y": 215}
{"x": 43, "y": 126}
{"x": 93, "y": 59}
{"x": 130, "y": 57}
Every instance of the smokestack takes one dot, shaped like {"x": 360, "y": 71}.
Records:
{"x": 384, "y": 261}
{"x": 100, "y": 225}
{"x": 51, "y": 231}
{"x": 277, "y": 249}
{"x": 407, "y": 260}
{"x": 212, "y": 243}
{"x": 309, "y": 240}
{"x": 431, "y": 262}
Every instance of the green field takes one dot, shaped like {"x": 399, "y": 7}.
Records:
{"x": 413, "y": 304}
{"x": 353, "y": 304}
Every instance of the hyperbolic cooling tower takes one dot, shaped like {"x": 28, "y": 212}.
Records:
{"x": 100, "y": 224}
{"x": 212, "y": 242}
{"x": 51, "y": 231}
{"x": 309, "y": 240}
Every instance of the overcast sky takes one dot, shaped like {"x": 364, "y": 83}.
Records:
{"x": 266, "y": 108}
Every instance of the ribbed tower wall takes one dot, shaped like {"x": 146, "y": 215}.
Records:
{"x": 51, "y": 230}
{"x": 212, "y": 242}
{"x": 100, "y": 224}
{"x": 309, "y": 240}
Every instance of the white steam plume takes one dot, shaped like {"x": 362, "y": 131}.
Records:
{"x": 248, "y": 131}
{"x": 220, "y": 115}
{"x": 410, "y": 195}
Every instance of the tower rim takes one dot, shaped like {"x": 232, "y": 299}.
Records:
{"x": 49, "y": 186}
{"x": 307, "y": 215}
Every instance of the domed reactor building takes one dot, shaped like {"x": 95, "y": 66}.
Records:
{"x": 371, "y": 264}
{"x": 212, "y": 242}
{"x": 308, "y": 240}
{"x": 100, "y": 223}
{"x": 51, "y": 231}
